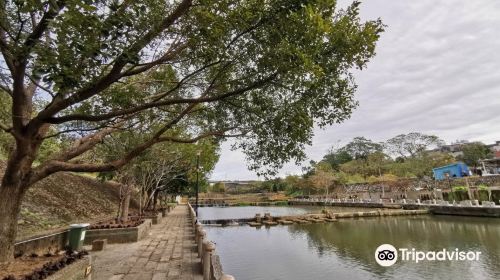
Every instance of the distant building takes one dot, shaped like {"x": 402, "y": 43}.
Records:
{"x": 456, "y": 149}
{"x": 490, "y": 166}
{"x": 495, "y": 149}
{"x": 455, "y": 170}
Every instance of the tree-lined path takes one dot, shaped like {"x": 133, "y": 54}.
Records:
{"x": 168, "y": 252}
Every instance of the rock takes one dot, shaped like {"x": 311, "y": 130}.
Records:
{"x": 99, "y": 244}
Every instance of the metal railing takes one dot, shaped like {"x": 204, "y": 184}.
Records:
{"x": 467, "y": 203}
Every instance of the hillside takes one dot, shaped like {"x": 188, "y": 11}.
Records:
{"x": 65, "y": 198}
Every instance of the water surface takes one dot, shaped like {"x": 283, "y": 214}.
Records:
{"x": 345, "y": 249}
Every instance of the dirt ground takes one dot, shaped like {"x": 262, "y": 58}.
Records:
{"x": 24, "y": 265}
{"x": 63, "y": 199}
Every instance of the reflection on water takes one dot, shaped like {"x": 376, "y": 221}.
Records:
{"x": 223, "y": 213}
{"x": 345, "y": 249}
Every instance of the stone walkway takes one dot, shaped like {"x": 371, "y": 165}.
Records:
{"x": 168, "y": 252}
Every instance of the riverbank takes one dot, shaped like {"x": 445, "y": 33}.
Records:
{"x": 438, "y": 207}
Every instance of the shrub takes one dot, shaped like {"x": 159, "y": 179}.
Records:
{"x": 459, "y": 189}
{"x": 482, "y": 187}
{"x": 281, "y": 203}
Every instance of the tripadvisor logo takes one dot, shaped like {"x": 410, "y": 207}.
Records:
{"x": 387, "y": 255}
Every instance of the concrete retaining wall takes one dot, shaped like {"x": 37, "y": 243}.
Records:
{"x": 347, "y": 204}
{"x": 465, "y": 211}
{"x": 51, "y": 243}
{"x": 119, "y": 235}
{"x": 74, "y": 271}
{"x": 155, "y": 218}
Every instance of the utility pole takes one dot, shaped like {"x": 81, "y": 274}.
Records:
{"x": 197, "y": 179}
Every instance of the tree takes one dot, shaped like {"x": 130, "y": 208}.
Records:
{"x": 263, "y": 72}
{"x": 323, "y": 177}
{"x": 473, "y": 152}
{"x": 361, "y": 148}
{"x": 336, "y": 158}
{"x": 322, "y": 180}
{"x": 218, "y": 187}
{"x": 374, "y": 165}
{"x": 420, "y": 166}
{"x": 412, "y": 144}
{"x": 293, "y": 183}
{"x": 161, "y": 169}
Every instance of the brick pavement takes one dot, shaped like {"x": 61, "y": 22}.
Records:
{"x": 168, "y": 252}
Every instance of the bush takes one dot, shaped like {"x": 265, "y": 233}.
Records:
{"x": 281, "y": 203}
{"x": 483, "y": 195}
{"x": 458, "y": 193}
{"x": 459, "y": 188}
{"x": 482, "y": 187}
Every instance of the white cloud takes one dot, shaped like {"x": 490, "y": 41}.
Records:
{"x": 436, "y": 71}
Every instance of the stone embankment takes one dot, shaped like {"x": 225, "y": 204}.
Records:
{"x": 327, "y": 216}
{"x": 439, "y": 207}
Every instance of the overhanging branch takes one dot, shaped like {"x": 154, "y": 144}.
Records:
{"x": 95, "y": 118}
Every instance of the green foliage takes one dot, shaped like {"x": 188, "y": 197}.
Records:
{"x": 281, "y": 203}
{"x": 360, "y": 148}
{"x": 459, "y": 188}
{"x": 6, "y": 139}
{"x": 483, "y": 187}
{"x": 175, "y": 163}
{"x": 336, "y": 158}
{"x": 363, "y": 161}
{"x": 483, "y": 195}
{"x": 260, "y": 66}
{"x": 458, "y": 193}
{"x": 218, "y": 188}
{"x": 420, "y": 166}
{"x": 473, "y": 152}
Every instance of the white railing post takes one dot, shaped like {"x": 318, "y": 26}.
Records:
{"x": 208, "y": 249}
{"x": 201, "y": 239}
{"x": 197, "y": 231}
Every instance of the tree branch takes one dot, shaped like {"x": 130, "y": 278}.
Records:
{"x": 84, "y": 144}
{"x": 170, "y": 54}
{"x": 114, "y": 74}
{"x": 95, "y": 118}
{"x": 54, "y": 8}
{"x": 54, "y": 166}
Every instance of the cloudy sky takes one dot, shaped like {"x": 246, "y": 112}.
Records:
{"x": 437, "y": 71}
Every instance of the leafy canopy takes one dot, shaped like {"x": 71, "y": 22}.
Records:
{"x": 261, "y": 71}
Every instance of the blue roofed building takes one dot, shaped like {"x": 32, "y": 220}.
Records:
{"x": 454, "y": 170}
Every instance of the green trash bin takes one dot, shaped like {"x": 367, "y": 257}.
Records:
{"x": 76, "y": 236}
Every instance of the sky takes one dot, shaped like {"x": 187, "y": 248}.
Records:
{"x": 437, "y": 71}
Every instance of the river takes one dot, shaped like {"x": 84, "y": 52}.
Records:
{"x": 346, "y": 249}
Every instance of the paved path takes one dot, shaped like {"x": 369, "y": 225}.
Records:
{"x": 168, "y": 252}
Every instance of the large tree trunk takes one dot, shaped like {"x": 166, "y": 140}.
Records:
{"x": 125, "y": 206}
{"x": 10, "y": 206}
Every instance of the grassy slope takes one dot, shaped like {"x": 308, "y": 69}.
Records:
{"x": 62, "y": 199}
